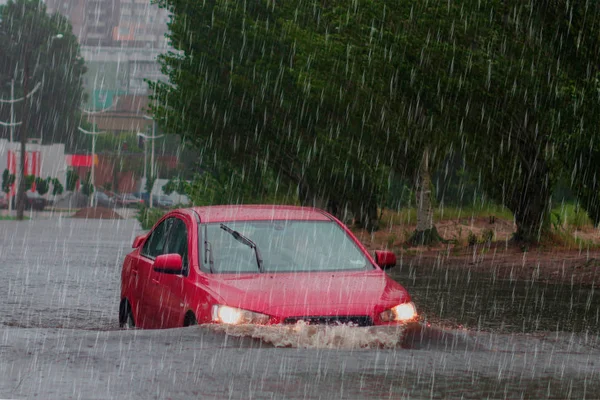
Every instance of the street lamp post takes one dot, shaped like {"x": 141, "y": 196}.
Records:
{"x": 23, "y": 136}
{"x": 152, "y": 138}
{"x": 12, "y": 124}
{"x": 23, "y": 130}
{"x": 12, "y": 134}
{"x": 94, "y": 134}
{"x": 12, "y": 110}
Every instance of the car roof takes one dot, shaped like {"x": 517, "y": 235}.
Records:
{"x": 259, "y": 213}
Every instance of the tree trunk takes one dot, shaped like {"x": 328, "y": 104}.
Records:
{"x": 592, "y": 206}
{"x": 21, "y": 187}
{"x": 424, "y": 211}
{"x": 365, "y": 214}
{"x": 531, "y": 207}
{"x": 425, "y": 233}
{"x": 308, "y": 197}
{"x": 590, "y": 201}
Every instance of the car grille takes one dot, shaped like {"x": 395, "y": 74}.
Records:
{"x": 360, "y": 320}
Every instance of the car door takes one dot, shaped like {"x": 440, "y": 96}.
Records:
{"x": 171, "y": 307}
{"x": 148, "y": 283}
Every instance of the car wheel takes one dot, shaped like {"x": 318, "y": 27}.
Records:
{"x": 190, "y": 319}
{"x": 126, "y": 316}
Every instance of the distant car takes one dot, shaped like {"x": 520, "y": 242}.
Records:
{"x": 3, "y": 200}
{"x": 128, "y": 200}
{"x": 159, "y": 201}
{"x": 162, "y": 202}
{"x": 34, "y": 201}
{"x": 257, "y": 265}
{"x": 144, "y": 196}
{"x": 101, "y": 199}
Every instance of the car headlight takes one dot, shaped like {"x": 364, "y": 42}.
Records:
{"x": 400, "y": 313}
{"x": 234, "y": 316}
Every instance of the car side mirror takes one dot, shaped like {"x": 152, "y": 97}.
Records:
{"x": 169, "y": 264}
{"x": 137, "y": 242}
{"x": 385, "y": 259}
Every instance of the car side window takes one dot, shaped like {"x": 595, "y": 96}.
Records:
{"x": 178, "y": 241}
{"x": 156, "y": 243}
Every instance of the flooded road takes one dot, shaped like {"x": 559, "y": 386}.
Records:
{"x": 478, "y": 301}
{"x": 59, "y": 336}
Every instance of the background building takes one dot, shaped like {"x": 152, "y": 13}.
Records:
{"x": 115, "y": 23}
{"x": 120, "y": 43}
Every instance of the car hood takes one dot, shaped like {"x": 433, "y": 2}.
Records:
{"x": 317, "y": 293}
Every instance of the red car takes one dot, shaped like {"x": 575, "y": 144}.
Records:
{"x": 257, "y": 265}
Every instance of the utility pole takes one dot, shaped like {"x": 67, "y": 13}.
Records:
{"x": 23, "y": 136}
{"x": 152, "y": 176}
{"x": 94, "y": 134}
{"x": 12, "y": 134}
{"x": 23, "y": 129}
{"x": 12, "y": 110}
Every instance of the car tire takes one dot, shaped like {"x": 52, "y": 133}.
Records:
{"x": 126, "y": 320}
{"x": 190, "y": 319}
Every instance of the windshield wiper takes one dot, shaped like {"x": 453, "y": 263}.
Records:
{"x": 244, "y": 240}
{"x": 211, "y": 261}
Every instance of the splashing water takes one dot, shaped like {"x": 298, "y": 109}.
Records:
{"x": 303, "y": 335}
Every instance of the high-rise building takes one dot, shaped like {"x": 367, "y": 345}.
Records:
{"x": 141, "y": 24}
{"x": 93, "y": 20}
{"x": 120, "y": 42}
{"x": 115, "y": 23}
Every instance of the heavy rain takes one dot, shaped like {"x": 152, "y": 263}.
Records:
{"x": 307, "y": 200}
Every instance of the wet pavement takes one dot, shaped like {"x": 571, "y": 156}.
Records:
{"x": 58, "y": 336}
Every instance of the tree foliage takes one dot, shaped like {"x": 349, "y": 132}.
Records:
{"x": 338, "y": 97}
{"x": 42, "y": 186}
{"x": 8, "y": 180}
{"x": 72, "y": 178}
{"x": 27, "y": 32}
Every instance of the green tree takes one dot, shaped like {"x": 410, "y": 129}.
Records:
{"x": 528, "y": 104}
{"x": 42, "y": 186}
{"x": 72, "y": 178}
{"x": 8, "y": 180}
{"x": 86, "y": 187}
{"x": 29, "y": 181}
{"x": 339, "y": 96}
{"x": 57, "y": 187}
{"x": 150, "y": 184}
{"x": 28, "y": 32}
{"x": 255, "y": 107}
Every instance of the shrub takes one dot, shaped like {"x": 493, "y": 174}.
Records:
{"x": 488, "y": 235}
{"x": 72, "y": 178}
{"x": 57, "y": 187}
{"x": 42, "y": 186}
{"x": 391, "y": 240}
{"x": 7, "y": 180}
{"x": 149, "y": 216}
{"x": 471, "y": 239}
{"x": 86, "y": 187}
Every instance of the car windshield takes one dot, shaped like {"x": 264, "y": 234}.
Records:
{"x": 284, "y": 246}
